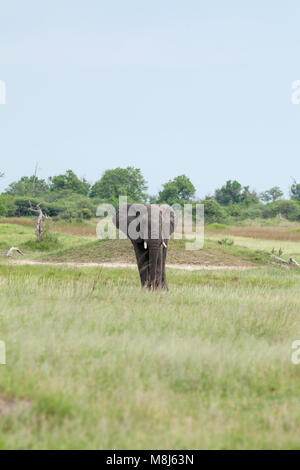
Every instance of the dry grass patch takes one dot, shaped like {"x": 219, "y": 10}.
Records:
{"x": 10, "y": 405}
{"x": 85, "y": 229}
{"x": 265, "y": 233}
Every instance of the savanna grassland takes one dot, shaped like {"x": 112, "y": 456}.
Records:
{"x": 94, "y": 362}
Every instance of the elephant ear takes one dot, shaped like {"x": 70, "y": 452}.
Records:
{"x": 169, "y": 221}
{"x": 144, "y": 227}
{"x": 126, "y": 215}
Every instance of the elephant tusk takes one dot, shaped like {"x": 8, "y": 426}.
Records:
{"x": 164, "y": 244}
{"x": 145, "y": 245}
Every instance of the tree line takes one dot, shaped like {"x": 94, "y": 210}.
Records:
{"x": 67, "y": 196}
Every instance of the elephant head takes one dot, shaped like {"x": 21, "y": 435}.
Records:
{"x": 149, "y": 228}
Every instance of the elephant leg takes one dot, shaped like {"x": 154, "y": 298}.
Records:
{"x": 142, "y": 258}
{"x": 164, "y": 276}
{"x": 159, "y": 269}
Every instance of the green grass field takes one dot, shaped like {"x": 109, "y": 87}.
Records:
{"x": 94, "y": 362}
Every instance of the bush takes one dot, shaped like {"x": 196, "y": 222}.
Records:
{"x": 85, "y": 213}
{"x": 23, "y": 204}
{"x": 3, "y": 209}
{"x": 50, "y": 241}
{"x": 253, "y": 212}
{"x": 234, "y": 210}
{"x": 10, "y": 205}
{"x": 213, "y": 212}
{"x": 68, "y": 214}
{"x": 227, "y": 241}
{"x": 288, "y": 209}
{"x": 65, "y": 204}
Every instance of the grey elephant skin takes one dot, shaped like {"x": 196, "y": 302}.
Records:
{"x": 149, "y": 228}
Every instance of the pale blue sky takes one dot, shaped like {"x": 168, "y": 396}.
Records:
{"x": 169, "y": 86}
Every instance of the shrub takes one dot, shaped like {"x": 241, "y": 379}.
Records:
{"x": 3, "y": 209}
{"x": 253, "y": 212}
{"x": 23, "y": 204}
{"x": 85, "y": 213}
{"x": 288, "y": 209}
{"x": 213, "y": 212}
{"x": 227, "y": 241}
{"x": 234, "y": 210}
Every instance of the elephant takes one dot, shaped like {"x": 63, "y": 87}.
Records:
{"x": 149, "y": 228}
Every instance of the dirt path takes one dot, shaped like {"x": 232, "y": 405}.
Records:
{"x": 186, "y": 267}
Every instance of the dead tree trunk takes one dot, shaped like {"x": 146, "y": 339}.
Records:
{"x": 39, "y": 226}
{"x": 12, "y": 250}
{"x": 279, "y": 260}
{"x": 293, "y": 261}
{"x": 283, "y": 261}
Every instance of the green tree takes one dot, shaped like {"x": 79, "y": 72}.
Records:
{"x": 213, "y": 212}
{"x": 121, "y": 182}
{"x": 272, "y": 194}
{"x": 9, "y": 203}
{"x": 249, "y": 197}
{"x": 295, "y": 191}
{"x": 69, "y": 181}
{"x": 232, "y": 192}
{"x": 288, "y": 209}
{"x": 28, "y": 185}
{"x": 3, "y": 207}
{"x": 177, "y": 191}
{"x": 234, "y": 210}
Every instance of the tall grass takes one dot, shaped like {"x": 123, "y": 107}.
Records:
{"x": 102, "y": 364}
